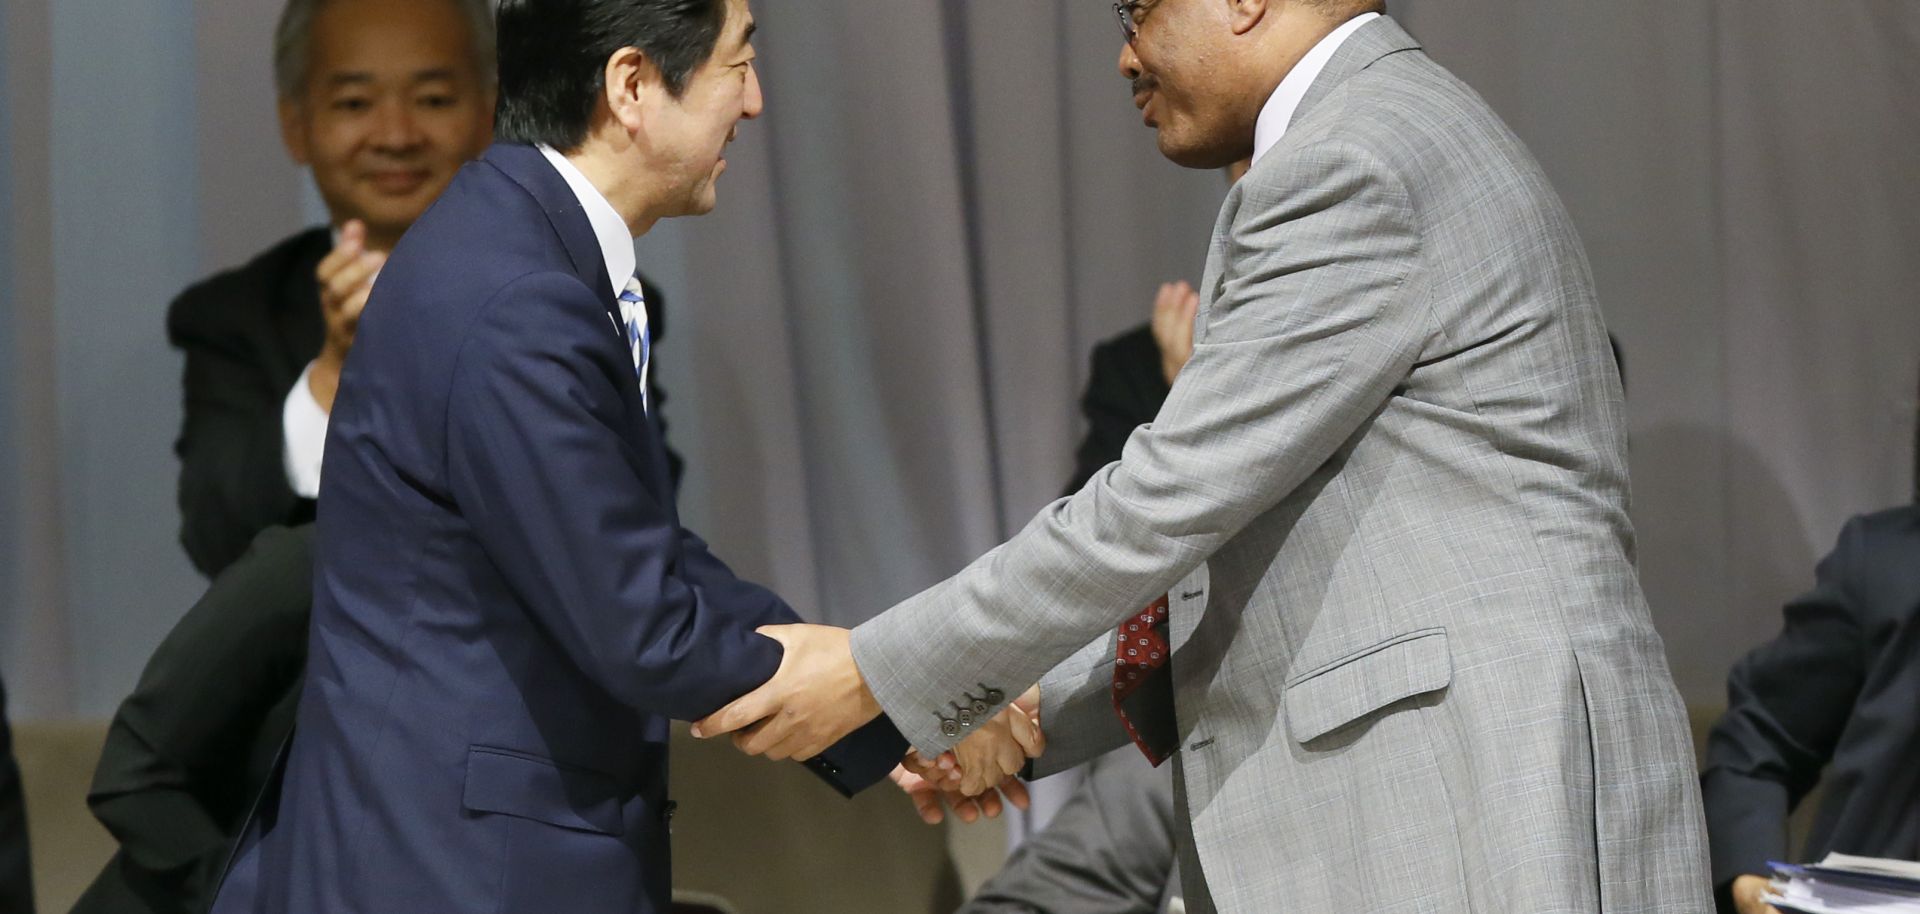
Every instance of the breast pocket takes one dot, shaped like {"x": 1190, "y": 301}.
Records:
{"x": 1333, "y": 695}
{"x": 513, "y": 784}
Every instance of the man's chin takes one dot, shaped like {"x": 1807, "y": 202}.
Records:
{"x": 1185, "y": 153}
{"x": 394, "y": 215}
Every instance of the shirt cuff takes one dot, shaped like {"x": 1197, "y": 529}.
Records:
{"x": 304, "y": 427}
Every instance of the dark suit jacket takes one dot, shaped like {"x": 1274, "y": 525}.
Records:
{"x": 1124, "y": 391}
{"x": 247, "y": 335}
{"x": 1838, "y": 689}
{"x": 191, "y": 748}
{"x": 16, "y": 872}
{"x": 507, "y": 612}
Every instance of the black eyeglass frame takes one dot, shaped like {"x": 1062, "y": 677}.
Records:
{"x": 1128, "y": 28}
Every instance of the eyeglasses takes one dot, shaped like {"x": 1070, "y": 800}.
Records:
{"x": 1124, "y": 9}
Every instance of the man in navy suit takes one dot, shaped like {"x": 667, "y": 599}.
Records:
{"x": 507, "y": 611}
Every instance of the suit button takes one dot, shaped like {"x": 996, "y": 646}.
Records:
{"x": 966, "y": 717}
{"x": 980, "y": 707}
{"x": 949, "y": 727}
{"x": 995, "y": 696}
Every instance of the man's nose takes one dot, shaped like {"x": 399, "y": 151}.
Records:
{"x": 1130, "y": 68}
{"x": 754, "y": 103}
{"x": 397, "y": 128}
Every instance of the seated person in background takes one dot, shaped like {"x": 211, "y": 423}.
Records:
{"x": 16, "y": 873}
{"x": 1109, "y": 849}
{"x": 1131, "y": 376}
{"x": 1838, "y": 689}
{"x": 190, "y": 749}
{"x": 384, "y": 100}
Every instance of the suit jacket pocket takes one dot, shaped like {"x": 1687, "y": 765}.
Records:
{"x": 529, "y": 787}
{"x": 1326, "y": 698}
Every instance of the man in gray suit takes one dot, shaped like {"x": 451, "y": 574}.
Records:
{"x": 1387, "y": 499}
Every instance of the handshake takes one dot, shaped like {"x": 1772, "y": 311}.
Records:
{"x": 818, "y": 696}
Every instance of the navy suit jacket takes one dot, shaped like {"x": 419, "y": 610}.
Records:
{"x": 1834, "y": 699}
{"x": 507, "y": 612}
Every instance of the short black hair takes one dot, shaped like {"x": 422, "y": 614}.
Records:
{"x": 553, "y": 58}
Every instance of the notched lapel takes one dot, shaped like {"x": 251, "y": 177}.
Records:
{"x": 1366, "y": 46}
{"x": 527, "y": 167}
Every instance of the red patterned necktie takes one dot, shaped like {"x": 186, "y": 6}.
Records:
{"x": 1142, "y": 684}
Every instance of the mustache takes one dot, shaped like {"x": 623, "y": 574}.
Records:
{"x": 1145, "y": 83}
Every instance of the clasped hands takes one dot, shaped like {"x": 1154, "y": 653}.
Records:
{"x": 818, "y": 696}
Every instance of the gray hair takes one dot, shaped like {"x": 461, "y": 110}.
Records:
{"x": 293, "y": 42}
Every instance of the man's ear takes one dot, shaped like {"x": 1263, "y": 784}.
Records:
{"x": 1243, "y": 15}
{"x": 633, "y": 86}
{"x": 293, "y": 131}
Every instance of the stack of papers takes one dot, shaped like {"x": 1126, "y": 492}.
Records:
{"x": 1843, "y": 884}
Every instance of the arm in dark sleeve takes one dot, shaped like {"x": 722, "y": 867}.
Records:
{"x": 233, "y": 476}
{"x": 541, "y": 469}
{"x": 1787, "y": 703}
{"x": 1109, "y": 850}
{"x": 865, "y": 755}
{"x": 1124, "y": 391}
{"x": 171, "y": 784}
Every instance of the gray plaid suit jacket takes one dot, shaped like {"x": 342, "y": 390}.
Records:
{"x": 1413, "y": 667}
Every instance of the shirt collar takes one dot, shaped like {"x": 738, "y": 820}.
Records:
{"x": 1278, "y": 111}
{"x": 616, "y": 240}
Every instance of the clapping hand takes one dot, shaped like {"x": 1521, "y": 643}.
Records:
{"x": 346, "y": 279}
{"x": 1174, "y": 309}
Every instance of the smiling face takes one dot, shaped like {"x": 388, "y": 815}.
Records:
{"x": 1182, "y": 67}
{"x": 392, "y": 105}
{"x": 687, "y": 136}
{"x": 1185, "y": 85}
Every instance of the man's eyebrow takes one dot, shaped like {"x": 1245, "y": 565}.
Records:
{"x": 350, "y": 78}
{"x": 433, "y": 73}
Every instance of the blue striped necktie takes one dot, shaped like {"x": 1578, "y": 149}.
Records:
{"x": 633, "y": 311}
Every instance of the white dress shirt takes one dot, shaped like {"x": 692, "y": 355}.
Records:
{"x": 1277, "y": 113}
{"x": 303, "y": 427}
{"x": 616, "y": 240}
{"x": 616, "y": 249}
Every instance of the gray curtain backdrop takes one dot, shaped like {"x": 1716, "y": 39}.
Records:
{"x": 879, "y": 340}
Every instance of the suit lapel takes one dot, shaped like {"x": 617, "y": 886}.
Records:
{"x": 1363, "y": 48}
{"x": 531, "y": 170}
{"x": 527, "y": 167}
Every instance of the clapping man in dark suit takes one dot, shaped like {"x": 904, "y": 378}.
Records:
{"x": 507, "y": 612}
{"x": 383, "y": 100}
{"x": 1832, "y": 699}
